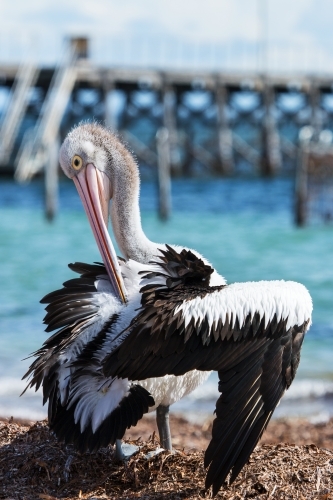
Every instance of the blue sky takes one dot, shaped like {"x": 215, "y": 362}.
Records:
{"x": 298, "y": 32}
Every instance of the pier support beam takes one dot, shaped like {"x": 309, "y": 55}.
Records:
{"x": 316, "y": 118}
{"x": 224, "y": 132}
{"x": 109, "y": 115}
{"x": 163, "y": 174}
{"x": 51, "y": 180}
{"x": 301, "y": 188}
{"x": 301, "y": 185}
{"x": 271, "y": 160}
{"x": 170, "y": 123}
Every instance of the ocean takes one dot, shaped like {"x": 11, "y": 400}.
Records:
{"x": 243, "y": 226}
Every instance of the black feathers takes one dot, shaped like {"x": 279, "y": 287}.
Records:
{"x": 70, "y": 309}
{"x": 182, "y": 268}
{"x": 131, "y": 409}
{"x": 256, "y": 359}
{"x": 251, "y": 387}
{"x": 158, "y": 327}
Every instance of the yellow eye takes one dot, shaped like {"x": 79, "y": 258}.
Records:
{"x": 76, "y": 162}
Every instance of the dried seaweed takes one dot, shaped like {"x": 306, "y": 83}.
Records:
{"x": 34, "y": 465}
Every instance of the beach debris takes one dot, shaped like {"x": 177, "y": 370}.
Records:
{"x": 31, "y": 461}
{"x": 127, "y": 450}
{"x": 67, "y": 467}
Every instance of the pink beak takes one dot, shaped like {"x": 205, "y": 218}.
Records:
{"x": 90, "y": 186}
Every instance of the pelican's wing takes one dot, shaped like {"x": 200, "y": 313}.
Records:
{"x": 69, "y": 312}
{"x": 251, "y": 333}
{"x": 252, "y": 379}
{"x": 185, "y": 324}
{"x": 85, "y": 407}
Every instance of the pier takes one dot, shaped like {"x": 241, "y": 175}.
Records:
{"x": 177, "y": 123}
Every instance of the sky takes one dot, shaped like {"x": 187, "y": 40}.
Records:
{"x": 236, "y": 34}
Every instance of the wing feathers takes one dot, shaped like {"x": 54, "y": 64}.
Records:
{"x": 250, "y": 392}
{"x": 244, "y": 453}
{"x": 131, "y": 409}
{"x": 256, "y": 353}
{"x": 250, "y": 333}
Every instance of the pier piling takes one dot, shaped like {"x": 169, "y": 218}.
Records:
{"x": 163, "y": 168}
{"x": 51, "y": 181}
{"x": 301, "y": 182}
{"x": 271, "y": 148}
{"x": 224, "y": 131}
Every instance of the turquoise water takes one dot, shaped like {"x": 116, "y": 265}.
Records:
{"x": 244, "y": 227}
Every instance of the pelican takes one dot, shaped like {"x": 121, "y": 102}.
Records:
{"x": 131, "y": 330}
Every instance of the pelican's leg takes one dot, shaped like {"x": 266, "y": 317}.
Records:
{"x": 124, "y": 451}
{"x": 162, "y": 420}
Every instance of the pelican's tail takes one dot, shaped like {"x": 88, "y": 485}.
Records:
{"x": 98, "y": 411}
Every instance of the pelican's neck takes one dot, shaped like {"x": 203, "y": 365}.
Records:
{"x": 125, "y": 216}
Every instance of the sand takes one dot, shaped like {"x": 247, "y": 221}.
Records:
{"x": 293, "y": 460}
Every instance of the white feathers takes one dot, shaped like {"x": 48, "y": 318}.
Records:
{"x": 64, "y": 380}
{"x": 108, "y": 306}
{"x": 103, "y": 284}
{"x": 97, "y": 397}
{"x": 170, "y": 388}
{"x": 288, "y": 300}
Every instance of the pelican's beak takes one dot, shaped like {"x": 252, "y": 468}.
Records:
{"x": 92, "y": 186}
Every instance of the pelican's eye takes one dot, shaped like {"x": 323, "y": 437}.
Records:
{"x": 77, "y": 162}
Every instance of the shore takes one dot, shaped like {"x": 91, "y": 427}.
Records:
{"x": 294, "y": 459}
{"x": 189, "y": 435}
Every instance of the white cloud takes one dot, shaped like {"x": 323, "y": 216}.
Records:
{"x": 284, "y": 20}
{"x": 209, "y": 20}
{"x": 232, "y": 25}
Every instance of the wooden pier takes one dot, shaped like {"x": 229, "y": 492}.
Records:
{"x": 176, "y": 122}
{"x": 314, "y": 176}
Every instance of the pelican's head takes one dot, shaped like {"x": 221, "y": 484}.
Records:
{"x": 92, "y": 157}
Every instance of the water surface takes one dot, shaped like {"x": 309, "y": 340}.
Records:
{"x": 244, "y": 227}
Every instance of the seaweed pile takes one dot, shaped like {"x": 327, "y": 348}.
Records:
{"x": 34, "y": 465}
